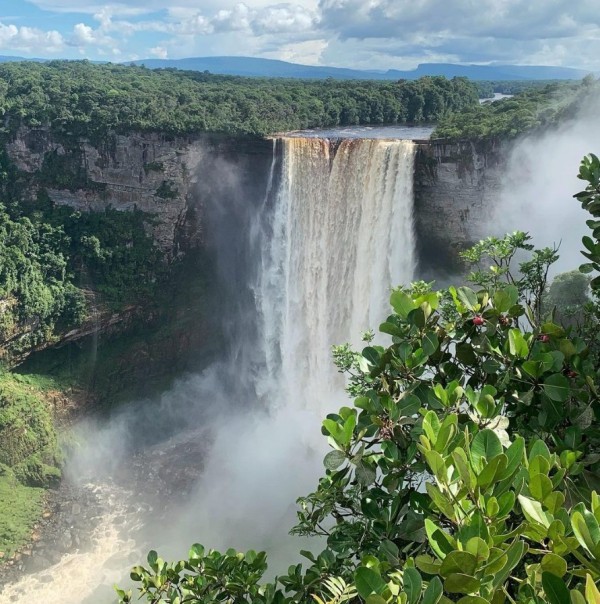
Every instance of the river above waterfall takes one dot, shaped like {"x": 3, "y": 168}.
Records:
{"x": 379, "y": 132}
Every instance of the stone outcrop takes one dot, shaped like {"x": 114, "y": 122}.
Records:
{"x": 456, "y": 186}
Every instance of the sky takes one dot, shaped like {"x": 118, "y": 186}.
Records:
{"x": 364, "y": 34}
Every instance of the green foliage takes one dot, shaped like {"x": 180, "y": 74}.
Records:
{"x": 589, "y": 171}
{"x": 21, "y": 507}
{"x": 166, "y": 190}
{"x": 28, "y": 441}
{"x": 487, "y": 88}
{"x": 534, "y": 109}
{"x": 36, "y": 295}
{"x": 465, "y": 471}
{"x": 82, "y": 99}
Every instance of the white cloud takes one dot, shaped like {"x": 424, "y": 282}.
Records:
{"x": 30, "y": 39}
{"x": 357, "y": 33}
{"x": 160, "y": 52}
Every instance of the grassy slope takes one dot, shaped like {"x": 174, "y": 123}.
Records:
{"x": 29, "y": 455}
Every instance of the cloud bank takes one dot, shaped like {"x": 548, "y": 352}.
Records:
{"x": 353, "y": 33}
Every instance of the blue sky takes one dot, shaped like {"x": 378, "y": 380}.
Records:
{"x": 378, "y": 34}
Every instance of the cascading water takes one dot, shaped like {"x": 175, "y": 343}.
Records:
{"x": 332, "y": 235}
{"x": 341, "y": 236}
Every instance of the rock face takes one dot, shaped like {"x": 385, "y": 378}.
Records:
{"x": 180, "y": 182}
{"x": 456, "y": 186}
{"x": 163, "y": 176}
{"x": 173, "y": 178}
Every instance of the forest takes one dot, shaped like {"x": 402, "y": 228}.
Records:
{"x": 84, "y": 99}
{"x": 531, "y": 109}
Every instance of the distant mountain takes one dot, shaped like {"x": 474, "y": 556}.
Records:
{"x": 8, "y": 59}
{"x": 249, "y": 66}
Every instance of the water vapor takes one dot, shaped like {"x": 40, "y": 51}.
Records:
{"x": 539, "y": 184}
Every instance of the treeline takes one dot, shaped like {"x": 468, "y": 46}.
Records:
{"x": 530, "y": 110}
{"x": 487, "y": 88}
{"x": 85, "y": 99}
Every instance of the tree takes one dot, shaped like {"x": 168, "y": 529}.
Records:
{"x": 465, "y": 469}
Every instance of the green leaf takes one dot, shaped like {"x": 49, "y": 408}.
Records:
{"x": 412, "y": 584}
{"x": 458, "y": 562}
{"x": 473, "y": 600}
{"x": 459, "y": 458}
{"x": 431, "y": 426}
{"x": 427, "y": 564}
{"x": 586, "y": 529}
{"x": 368, "y": 582}
{"x": 196, "y": 553}
{"x": 592, "y": 595}
{"x": 402, "y": 303}
{"x": 515, "y": 455}
{"x": 517, "y": 345}
{"x": 409, "y": 405}
{"x": 434, "y": 591}
{"x": 440, "y": 501}
{"x": 485, "y": 445}
{"x": 532, "y": 510}
{"x": 556, "y": 387}
{"x": 334, "y": 459}
{"x": 460, "y": 583}
{"x": 540, "y": 487}
{"x": 552, "y": 563}
{"x": 365, "y": 473}
{"x": 505, "y": 298}
{"x": 478, "y": 548}
{"x": 495, "y": 466}
{"x": 468, "y": 297}
{"x": 430, "y": 343}
{"x": 375, "y": 599}
{"x": 514, "y": 555}
{"x": 440, "y": 541}
{"x": 555, "y": 589}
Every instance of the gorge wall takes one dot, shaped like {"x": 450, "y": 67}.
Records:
{"x": 170, "y": 179}
{"x": 456, "y": 186}
{"x": 173, "y": 179}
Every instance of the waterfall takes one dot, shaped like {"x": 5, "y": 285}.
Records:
{"x": 341, "y": 235}
{"x": 319, "y": 253}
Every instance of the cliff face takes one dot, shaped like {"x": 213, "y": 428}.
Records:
{"x": 165, "y": 177}
{"x": 173, "y": 180}
{"x": 456, "y": 186}
{"x": 180, "y": 182}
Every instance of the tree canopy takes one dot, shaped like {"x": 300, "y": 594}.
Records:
{"x": 530, "y": 110}
{"x": 81, "y": 98}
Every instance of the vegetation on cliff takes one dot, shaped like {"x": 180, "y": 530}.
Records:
{"x": 57, "y": 265}
{"x": 530, "y": 110}
{"x": 30, "y": 455}
{"x": 467, "y": 468}
{"x": 83, "y": 99}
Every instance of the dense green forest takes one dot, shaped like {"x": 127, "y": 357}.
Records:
{"x": 532, "y": 109}
{"x": 52, "y": 255}
{"x": 87, "y": 100}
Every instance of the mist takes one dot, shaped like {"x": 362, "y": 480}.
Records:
{"x": 541, "y": 179}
